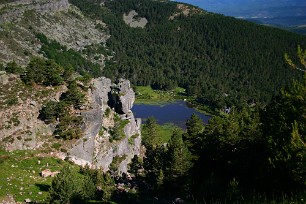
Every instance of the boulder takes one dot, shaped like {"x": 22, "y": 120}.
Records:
{"x": 28, "y": 200}
{"x": 47, "y": 172}
{"x": 4, "y": 79}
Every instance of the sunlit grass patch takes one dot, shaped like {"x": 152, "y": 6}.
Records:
{"x": 165, "y": 131}
{"x": 20, "y": 175}
{"x": 147, "y": 95}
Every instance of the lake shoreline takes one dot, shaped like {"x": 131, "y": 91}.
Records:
{"x": 199, "y": 107}
{"x": 176, "y": 112}
{"x": 148, "y": 96}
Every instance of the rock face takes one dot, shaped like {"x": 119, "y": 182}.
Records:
{"x": 133, "y": 20}
{"x": 110, "y": 111}
{"x": 82, "y": 152}
{"x": 4, "y": 78}
{"x": 122, "y": 97}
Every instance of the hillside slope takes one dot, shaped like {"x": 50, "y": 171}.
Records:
{"x": 22, "y": 20}
{"x": 220, "y": 60}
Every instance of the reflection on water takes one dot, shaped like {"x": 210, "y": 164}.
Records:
{"x": 176, "y": 112}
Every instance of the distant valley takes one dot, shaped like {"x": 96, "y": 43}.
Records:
{"x": 284, "y": 14}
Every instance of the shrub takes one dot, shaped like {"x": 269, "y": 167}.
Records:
{"x": 56, "y": 145}
{"x": 2, "y": 68}
{"x": 51, "y": 111}
{"x": 117, "y": 132}
{"x": 69, "y": 127}
{"x": 45, "y": 72}
{"x": 11, "y": 101}
{"x": 116, "y": 162}
{"x": 107, "y": 112}
{"x": 13, "y": 67}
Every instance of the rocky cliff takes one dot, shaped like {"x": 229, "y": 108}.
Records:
{"x": 97, "y": 148}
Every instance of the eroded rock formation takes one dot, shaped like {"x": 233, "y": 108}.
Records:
{"x": 99, "y": 147}
{"x": 121, "y": 97}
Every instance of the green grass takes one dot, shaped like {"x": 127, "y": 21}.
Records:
{"x": 165, "y": 132}
{"x": 146, "y": 95}
{"x": 20, "y": 175}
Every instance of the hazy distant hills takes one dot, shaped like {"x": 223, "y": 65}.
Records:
{"x": 253, "y": 8}
{"x": 288, "y": 14}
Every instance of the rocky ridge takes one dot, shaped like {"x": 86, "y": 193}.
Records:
{"x": 58, "y": 20}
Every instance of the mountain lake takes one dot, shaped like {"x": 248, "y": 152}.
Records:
{"x": 175, "y": 112}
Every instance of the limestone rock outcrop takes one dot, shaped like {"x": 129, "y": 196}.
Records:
{"x": 122, "y": 97}
{"x": 110, "y": 112}
{"x": 134, "y": 21}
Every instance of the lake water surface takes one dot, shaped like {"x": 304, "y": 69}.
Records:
{"x": 175, "y": 112}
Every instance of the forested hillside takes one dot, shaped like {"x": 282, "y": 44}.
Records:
{"x": 221, "y": 61}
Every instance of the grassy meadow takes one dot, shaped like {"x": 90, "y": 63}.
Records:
{"x": 147, "y": 95}
{"x": 20, "y": 175}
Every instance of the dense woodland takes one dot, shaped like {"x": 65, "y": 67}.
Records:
{"x": 220, "y": 60}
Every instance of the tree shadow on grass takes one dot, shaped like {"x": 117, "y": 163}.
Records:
{"x": 43, "y": 187}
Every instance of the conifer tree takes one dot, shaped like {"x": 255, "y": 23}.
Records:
{"x": 88, "y": 189}
{"x": 160, "y": 179}
{"x": 107, "y": 185}
{"x": 284, "y": 125}
{"x": 192, "y": 137}
{"x": 179, "y": 157}
{"x": 177, "y": 165}
{"x": 74, "y": 95}
{"x": 302, "y": 60}
{"x": 64, "y": 187}
{"x": 156, "y": 158}
{"x": 13, "y": 67}
{"x": 150, "y": 135}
